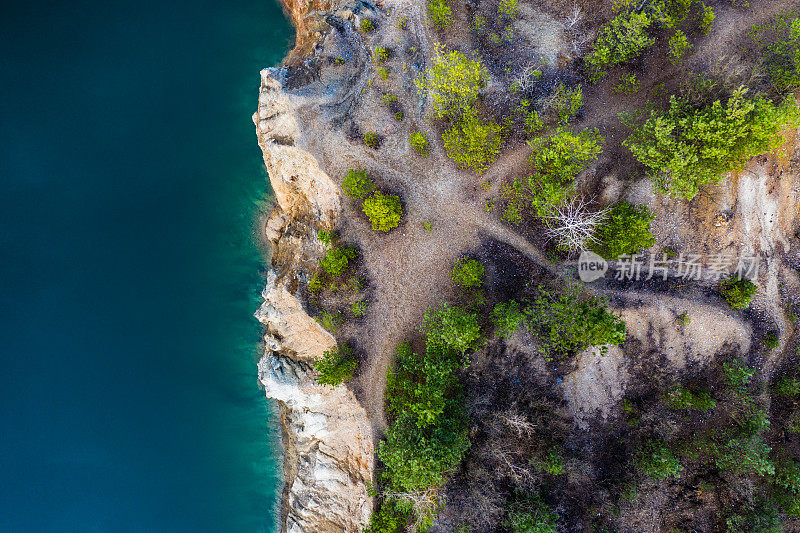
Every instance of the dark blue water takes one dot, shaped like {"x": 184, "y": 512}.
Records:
{"x": 129, "y": 269}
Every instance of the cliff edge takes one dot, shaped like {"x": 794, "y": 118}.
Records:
{"x": 328, "y": 448}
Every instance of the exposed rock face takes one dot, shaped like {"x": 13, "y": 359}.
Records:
{"x": 327, "y": 439}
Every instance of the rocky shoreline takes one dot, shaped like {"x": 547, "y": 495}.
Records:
{"x": 327, "y": 439}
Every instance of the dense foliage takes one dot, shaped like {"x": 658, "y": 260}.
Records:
{"x": 383, "y": 210}
{"x": 451, "y": 328}
{"x": 419, "y": 143}
{"x": 336, "y": 260}
{"x": 686, "y": 147}
{"x": 782, "y": 50}
{"x": 472, "y": 142}
{"x": 626, "y": 230}
{"x": 357, "y": 185}
{"x": 737, "y": 292}
{"x": 453, "y": 83}
{"x": 336, "y": 366}
{"x": 440, "y": 14}
{"x": 468, "y": 273}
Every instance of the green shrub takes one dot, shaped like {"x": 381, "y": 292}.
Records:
{"x": 569, "y": 322}
{"x": 359, "y": 308}
{"x": 402, "y": 24}
{"x": 398, "y": 116}
{"x": 737, "y": 292}
{"x": 531, "y": 515}
{"x": 472, "y": 143}
{"x": 453, "y": 82}
{"x": 771, "y": 341}
{"x": 336, "y": 366}
{"x": 390, "y": 518}
{"x": 707, "y": 17}
{"x": 507, "y": 8}
{"x": 336, "y": 260}
{"x": 357, "y": 185}
{"x": 682, "y": 398}
{"x": 762, "y": 518}
{"x": 389, "y": 99}
{"x": 507, "y": 317}
{"x": 628, "y": 84}
{"x": 657, "y": 462}
{"x": 787, "y": 386}
{"x": 451, "y": 328}
{"x": 678, "y": 46}
{"x": 440, "y": 14}
{"x": 372, "y": 140}
{"x": 380, "y": 55}
{"x": 625, "y": 231}
{"x": 565, "y": 103}
{"x": 468, "y": 273}
{"x": 366, "y": 25}
{"x": 419, "y": 143}
{"x": 686, "y": 147}
{"x": 383, "y": 73}
{"x": 782, "y": 55}
{"x": 622, "y": 39}
{"x": 563, "y": 155}
{"x": 316, "y": 284}
{"x": 747, "y": 455}
{"x": 737, "y": 374}
{"x": 384, "y": 211}
{"x": 330, "y": 321}
{"x": 552, "y": 463}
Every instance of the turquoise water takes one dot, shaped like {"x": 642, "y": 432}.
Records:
{"x": 130, "y": 270}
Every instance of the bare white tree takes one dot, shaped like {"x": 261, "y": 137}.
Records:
{"x": 425, "y": 504}
{"x": 518, "y": 423}
{"x": 573, "y": 225}
{"x": 573, "y": 18}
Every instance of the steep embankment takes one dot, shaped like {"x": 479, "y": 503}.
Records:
{"x": 327, "y": 439}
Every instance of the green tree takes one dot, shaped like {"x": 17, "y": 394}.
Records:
{"x": 472, "y": 143}
{"x": 569, "y": 322}
{"x": 782, "y": 54}
{"x": 336, "y": 260}
{"x": 507, "y": 317}
{"x": 658, "y": 462}
{"x": 507, "y": 8}
{"x": 419, "y": 143}
{"x": 678, "y": 46}
{"x": 737, "y": 292}
{"x": 453, "y": 82}
{"x": 563, "y": 155}
{"x": 622, "y": 39}
{"x": 531, "y": 515}
{"x": 384, "y": 211}
{"x": 451, "y": 328}
{"x": 336, "y": 366}
{"x": 625, "y": 231}
{"x": 357, "y": 185}
{"x": 686, "y": 147}
{"x": 440, "y": 14}
{"x": 468, "y": 273}
{"x": 746, "y": 454}
{"x": 682, "y": 398}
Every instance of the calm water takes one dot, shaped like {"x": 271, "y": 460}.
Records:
{"x": 130, "y": 181}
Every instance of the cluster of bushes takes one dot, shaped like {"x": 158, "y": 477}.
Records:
{"x": 333, "y": 265}
{"x": 383, "y": 210}
{"x": 428, "y": 431}
{"x": 781, "y": 50}
{"x": 564, "y": 323}
{"x": 633, "y": 30}
{"x": 727, "y": 442}
{"x": 685, "y": 146}
{"x": 454, "y": 84}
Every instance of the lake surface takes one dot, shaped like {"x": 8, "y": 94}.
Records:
{"x": 130, "y": 267}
